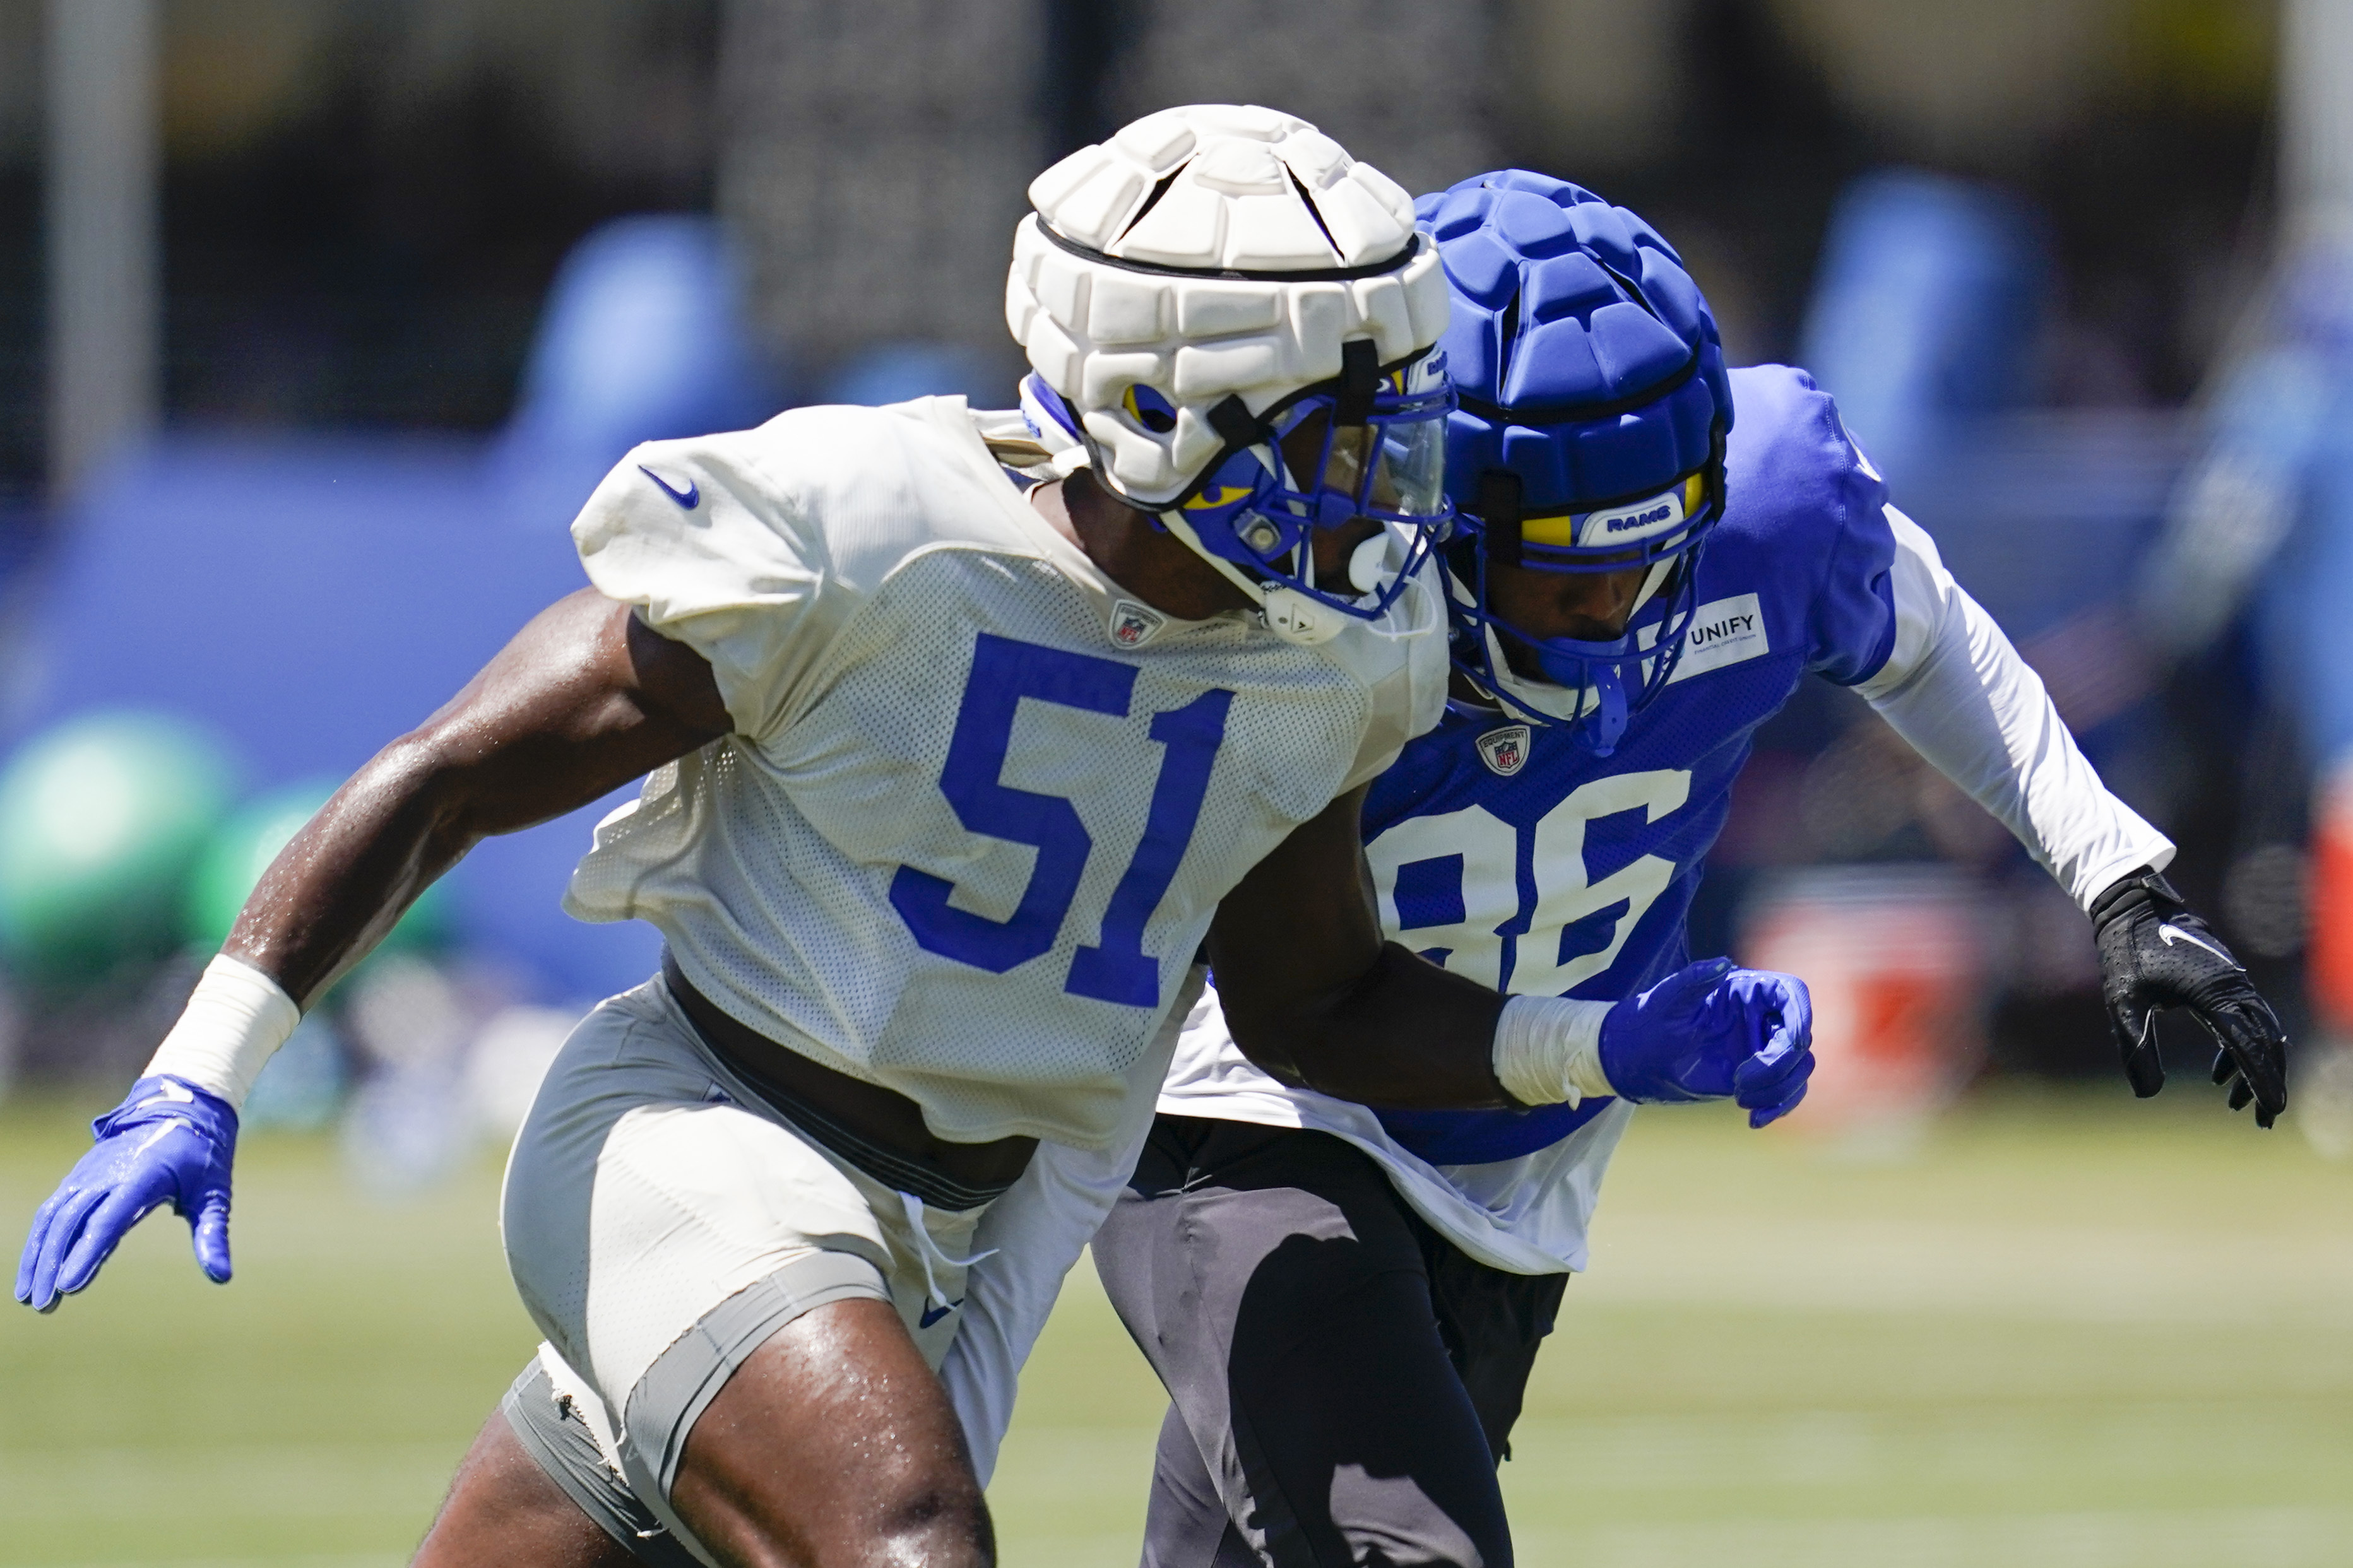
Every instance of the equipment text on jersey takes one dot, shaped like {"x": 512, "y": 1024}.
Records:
{"x": 1726, "y": 631}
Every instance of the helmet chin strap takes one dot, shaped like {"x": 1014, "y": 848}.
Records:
{"x": 1289, "y": 613}
{"x": 1545, "y": 699}
{"x": 1553, "y": 700}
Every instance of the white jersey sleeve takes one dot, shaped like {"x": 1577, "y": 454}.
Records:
{"x": 717, "y": 551}
{"x": 1956, "y": 690}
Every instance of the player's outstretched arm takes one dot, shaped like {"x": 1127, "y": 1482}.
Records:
{"x": 1956, "y": 690}
{"x": 1315, "y": 997}
{"x": 584, "y": 699}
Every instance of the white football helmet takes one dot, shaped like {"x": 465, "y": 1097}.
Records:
{"x": 1206, "y": 283}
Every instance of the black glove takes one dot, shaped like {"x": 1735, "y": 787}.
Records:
{"x": 2154, "y": 953}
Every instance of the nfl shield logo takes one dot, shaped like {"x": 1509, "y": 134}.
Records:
{"x": 1133, "y": 626}
{"x": 1504, "y": 751}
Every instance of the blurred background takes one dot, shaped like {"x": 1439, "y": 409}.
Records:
{"x": 319, "y": 319}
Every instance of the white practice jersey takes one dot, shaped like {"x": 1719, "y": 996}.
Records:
{"x": 979, "y": 805}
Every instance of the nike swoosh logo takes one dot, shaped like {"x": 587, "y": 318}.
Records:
{"x": 2169, "y": 933}
{"x": 933, "y": 1314}
{"x": 689, "y": 498}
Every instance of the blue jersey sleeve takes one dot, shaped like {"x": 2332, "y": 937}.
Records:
{"x": 1812, "y": 516}
{"x": 1852, "y": 629}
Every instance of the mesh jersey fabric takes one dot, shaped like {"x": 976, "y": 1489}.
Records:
{"x": 972, "y": 826}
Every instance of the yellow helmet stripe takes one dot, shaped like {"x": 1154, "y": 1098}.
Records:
{"x": 1217, "y": 496}
{"x": 1560, "y": 529}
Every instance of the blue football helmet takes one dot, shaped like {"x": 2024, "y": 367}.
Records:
{"x": 1589, "y": 437}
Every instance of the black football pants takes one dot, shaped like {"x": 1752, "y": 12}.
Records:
{"x": 1342, "y": 1379}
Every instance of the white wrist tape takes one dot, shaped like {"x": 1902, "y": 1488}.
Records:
{"x": 237, "y": 1017}
{"x": 1548, "y": 1049}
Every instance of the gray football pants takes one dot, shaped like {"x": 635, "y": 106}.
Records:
{"x": 1342, "y": 1380}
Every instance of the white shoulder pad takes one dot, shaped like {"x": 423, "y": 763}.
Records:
{"x": 753, "y": 547}
{"x": 1401, "y": 659}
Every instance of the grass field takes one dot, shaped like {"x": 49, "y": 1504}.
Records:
{"x": 2067, "y": 1331}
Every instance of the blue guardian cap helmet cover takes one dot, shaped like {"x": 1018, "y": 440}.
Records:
{"x": 1593, "y": 408}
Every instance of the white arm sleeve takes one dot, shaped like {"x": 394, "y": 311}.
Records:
{"x": 1036, "y": 1232}
{"x": 1959, "y": 692}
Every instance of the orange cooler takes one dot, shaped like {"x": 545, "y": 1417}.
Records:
{"x": 2330, "y": 950}
{"x": 1895, "y": 959}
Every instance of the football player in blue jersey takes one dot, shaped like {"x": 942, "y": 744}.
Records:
{"x": 1344, "y": 1303}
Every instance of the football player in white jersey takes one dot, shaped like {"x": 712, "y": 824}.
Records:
{"x": 966, "y": 731}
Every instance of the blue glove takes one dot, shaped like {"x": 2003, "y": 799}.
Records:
{"x": 167, "y": 1142}
{"x": 1709, "y": 1031}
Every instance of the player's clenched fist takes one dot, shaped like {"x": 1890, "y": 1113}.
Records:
{"x": 167, "y": 1142}
{"x": 1713, "y": 1032}
{"x": 1708, "y": 1031}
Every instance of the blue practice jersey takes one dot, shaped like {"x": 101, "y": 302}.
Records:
{"x": 1510, "y": 854}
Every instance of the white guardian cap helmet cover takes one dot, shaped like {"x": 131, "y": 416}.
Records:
{"x": 1213, "y": 280}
